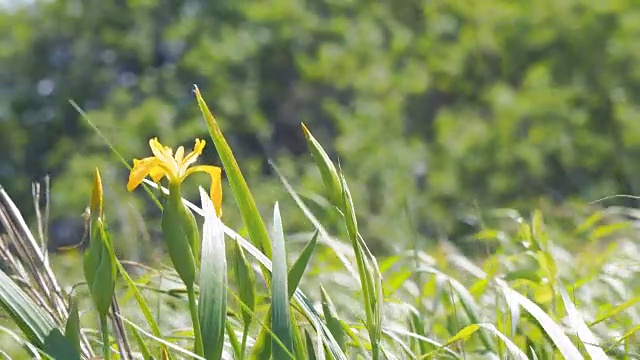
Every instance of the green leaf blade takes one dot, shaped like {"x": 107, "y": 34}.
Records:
{"x": 58, "y": 346}
{"x": 212, "y": 304}
{"x": 32, "y": 321}
{"x": 280, "y": 317}
{"x": 72, "y": 327}
{"x": 246, "y": 204}
{"x": 300, "y": 265}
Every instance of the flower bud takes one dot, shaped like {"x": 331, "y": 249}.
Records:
{"x": 99, "y": 258}
{"x": 180, "y": 232}
{"x": 327, "y": 169}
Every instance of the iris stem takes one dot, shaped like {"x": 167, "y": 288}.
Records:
{"x": 244, "y": 342}
{"x": 106, "y": 349}
{"x": 197, "y": 331}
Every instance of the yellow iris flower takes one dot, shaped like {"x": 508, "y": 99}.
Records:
{"x": 176, "y": 168}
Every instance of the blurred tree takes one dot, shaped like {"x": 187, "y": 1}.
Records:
{"x": 449, "y": 104}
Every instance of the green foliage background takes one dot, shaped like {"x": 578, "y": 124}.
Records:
{"x": 451, "y": 106}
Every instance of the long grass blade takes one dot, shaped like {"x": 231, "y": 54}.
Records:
{"x": 246, "y": 204}
{"x": 370, "y": 278}
{"x": 112, "y": 147}
{"x": 618, "y": 309}
{"x": 461, "y": 335}
{"x": 35, "y": 352}
{"x": 246, "y": 280}
{"x": 165, "y": 343}
{"x": 212, "y": 305}
{"x": 262, "y": 348}
{"x": 142, "y": 345}
{"x": 142, "y": 304}
{"x": 300, "y": 265}
{"x": 584, "y": 333}
{"x": 331, "y": 317}
{"x": 311, "y": 355}
{"x": 72, "y": 327}
{"x": 555, "y": 332}
{"x": 299, "y": 345}
{"x": 34, "y": 323}
{"x": 280, "y": 317}
{"x": 623, "y": 338}
{"x": 514, "y": 350}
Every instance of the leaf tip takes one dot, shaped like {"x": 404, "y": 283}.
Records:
{"x": 305, "y": 130}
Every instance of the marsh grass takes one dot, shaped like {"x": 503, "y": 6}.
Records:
{"x": 326, "y": 296}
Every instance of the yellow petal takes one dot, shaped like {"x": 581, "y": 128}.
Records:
{"x": 193, "y": 155}
{"x": 216, "y": 183}
{"x": 163, "y": 153}
{"x": 179, "y": 154}
{"x": 141, "y": 168}
{"x": 96, "y": 195}
{"x": 156, "y": 173}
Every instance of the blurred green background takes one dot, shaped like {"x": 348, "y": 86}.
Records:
{"x": 437, "y": 110}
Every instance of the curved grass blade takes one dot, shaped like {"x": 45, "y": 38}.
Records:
{"x": 140, "y": 300}
{"x": 327, "y": 168}
{"x": 212, "y": 304}
{"x": 34, "y": 323}
{"x": 142, "y": 304}
{"x": 262, "y": 347}
{"x": 624, "y": 337}
{"x": 238, "y": 352}
{"x": 584, "y": 333}
{"x": 300, "y": 265}
{"x": 165, "y": 343}
{"x": 416, "y": 324}
{"x": 35, "y": 352}
{"x": 618, "y": 309}
{"x": 515, "y": 351}
{"x": 462, "y": 335}
{"x": 555, "y": 332}
{"x": 299, "y": 345}
{"x": 280, "y": 317}
{"x": 311, "y": 355}
{"x": 404, "y": 346}
{"x": 142, "y": 345}
{"x": 319, "y": 347}
{"x": 331, "y": 317}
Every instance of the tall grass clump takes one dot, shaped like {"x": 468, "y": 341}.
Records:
{"x": 271, "y": 296}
